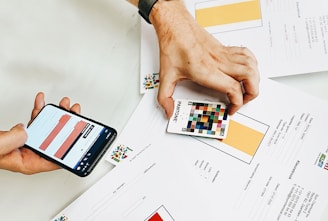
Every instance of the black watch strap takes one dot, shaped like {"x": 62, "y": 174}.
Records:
{"x": 145, "y": 6}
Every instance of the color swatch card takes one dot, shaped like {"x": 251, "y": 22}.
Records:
{"x": 199, "y": 118}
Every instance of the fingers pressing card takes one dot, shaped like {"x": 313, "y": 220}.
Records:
{"x": 199, "y": 118}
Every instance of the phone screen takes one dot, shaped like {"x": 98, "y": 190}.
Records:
{"x": 72, "y": 141}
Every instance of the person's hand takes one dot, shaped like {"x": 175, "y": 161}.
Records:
{"x": 14, "y": 157}
{"x": 188, "y": 51}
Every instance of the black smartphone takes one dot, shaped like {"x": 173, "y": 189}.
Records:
{"x": 72, "y": 141}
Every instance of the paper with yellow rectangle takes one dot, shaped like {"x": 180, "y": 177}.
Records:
{"x": 228, "y": 13}
{"x": 243, "y": 138}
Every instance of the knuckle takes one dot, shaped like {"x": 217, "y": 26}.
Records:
{"x": 253, "y": 94}
{"x": 251, "y": 73}
{"x": 250, "y": 59}
{"x": 233, "y": 90}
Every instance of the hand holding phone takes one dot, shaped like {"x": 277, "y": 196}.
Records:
{"x": 70, "y": 140}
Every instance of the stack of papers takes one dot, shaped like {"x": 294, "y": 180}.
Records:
{"x": 272, "y": 166}
{"x": 273, "y": 163}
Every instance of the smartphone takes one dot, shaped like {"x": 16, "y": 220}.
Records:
{"x": 72, "y": 141}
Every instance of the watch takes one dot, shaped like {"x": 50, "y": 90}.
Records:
{"x": 145, "y": 6}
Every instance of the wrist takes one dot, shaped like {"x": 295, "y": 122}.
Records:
{"x": 163, "y": 8}
{"x": 170, "y": 15}
{"x": 145, "y": 7}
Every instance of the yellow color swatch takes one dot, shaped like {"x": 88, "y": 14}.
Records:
{"x": 227, "y": 14}
{"x": 243, "y": 138}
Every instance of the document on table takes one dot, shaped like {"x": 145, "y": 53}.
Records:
{"x": 288, "y": 37}
{"x": 149, "y": 186}
{"x": 273, "y": 165}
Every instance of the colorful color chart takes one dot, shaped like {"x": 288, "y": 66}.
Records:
{"x": 207, "y": 119}
{"x": 151, "y": 81}
{"x": 61, "y": 218}
{"x": 120, "y": 153}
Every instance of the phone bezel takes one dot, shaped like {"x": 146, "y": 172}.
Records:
{"x": 92, "y": 161}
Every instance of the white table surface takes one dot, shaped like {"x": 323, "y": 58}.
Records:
{"x": 89, "y": 51}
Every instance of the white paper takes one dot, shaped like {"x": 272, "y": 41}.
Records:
{"x": 150, "y": 184}
{"x": 281, "y": 175}
{"x": 288, "y": 37}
